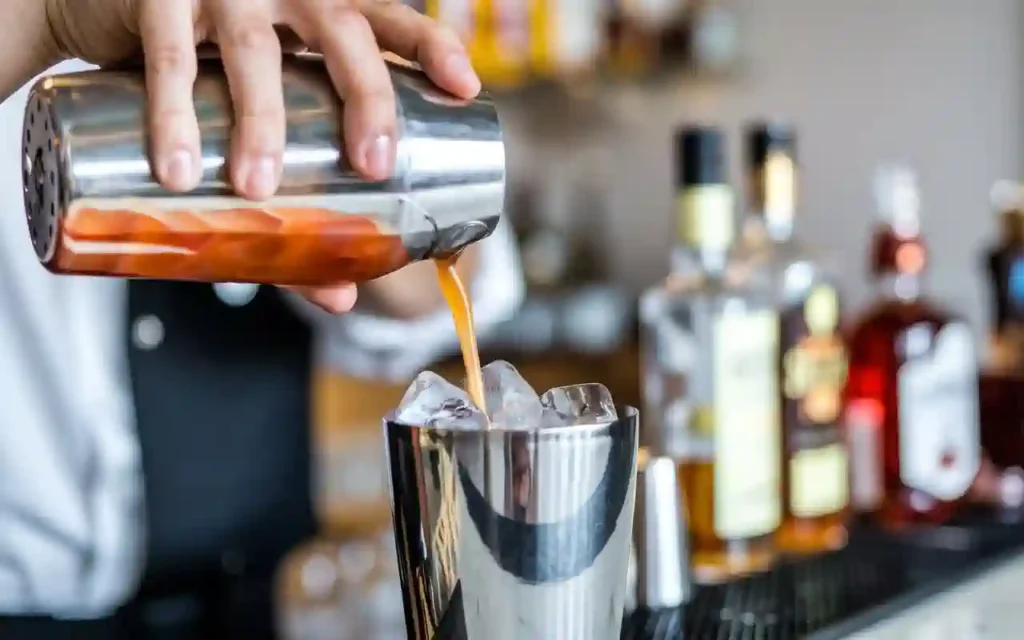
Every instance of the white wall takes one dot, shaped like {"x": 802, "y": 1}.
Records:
{"x": 935, "y": 82}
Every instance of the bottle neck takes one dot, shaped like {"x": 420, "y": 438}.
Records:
{"x": 772, "y": 195}
{"x": 898, "y": 262}
{"x": 1011, "y": 222}
{"x": 687, "y": 260}
{"x": 758, "y": 224}
{"x": 705, "y": 227}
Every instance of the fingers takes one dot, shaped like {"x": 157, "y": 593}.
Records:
{"x": 168, "y": 39}
{"x": 337, "y": 300}
{"x": 414, "y": 36}
{"x": 358, "y": 71}
{"x": 251, "y": 51}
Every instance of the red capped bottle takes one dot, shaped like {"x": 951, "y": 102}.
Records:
{"x": 912, "y": 391}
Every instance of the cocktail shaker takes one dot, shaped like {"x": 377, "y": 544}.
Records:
{"x": 514, "y": 534}
{"x": 94, "y": 206}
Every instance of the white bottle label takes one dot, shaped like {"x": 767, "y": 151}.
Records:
{"x": 747, "y": 436}
{"x": 938, "y": 411}
{"x": 819, "y": 481}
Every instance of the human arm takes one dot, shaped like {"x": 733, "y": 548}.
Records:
{"x": 251, "y": 36}
{"x": 26, "y": 48}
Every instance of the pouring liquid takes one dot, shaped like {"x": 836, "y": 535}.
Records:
{"x": 455, "y": 294}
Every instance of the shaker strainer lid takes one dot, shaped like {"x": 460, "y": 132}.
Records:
{"x": 41, "y": 175}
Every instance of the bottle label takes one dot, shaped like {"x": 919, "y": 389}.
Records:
{"x": 864, "y": 438}
{"x": 814, "y": 368}
{"x": 1015, "y": 286}
{"x": 705, "y": 216}
{"x": 938, "y": 413}
{"x": 819, "y": 481}
{"x": 746, "y": 425}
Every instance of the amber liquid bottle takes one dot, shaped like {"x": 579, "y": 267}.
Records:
{"x": 709, "y": 345}
{"x": 812, "y": 355}
{"x": 912, "y": 393}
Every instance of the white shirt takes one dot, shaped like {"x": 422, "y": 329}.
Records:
{"x": 71, "y": 505}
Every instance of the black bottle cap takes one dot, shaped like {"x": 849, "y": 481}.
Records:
{"x": 700, "y": 157}
{"x": 764, "y": 138}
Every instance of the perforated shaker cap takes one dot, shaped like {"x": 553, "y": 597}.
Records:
{"x": 42, "y": 175}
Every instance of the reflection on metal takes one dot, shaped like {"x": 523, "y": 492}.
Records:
{"x": 514, "y": 535}
{"x": 236, "y": 294}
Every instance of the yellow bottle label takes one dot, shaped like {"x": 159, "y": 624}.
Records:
{"x": 705, "y": 216}
{"x": 747, "y": 437}
{"x": 819, "y": 481}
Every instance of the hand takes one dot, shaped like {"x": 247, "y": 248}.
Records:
{"x": 251, "y": 35}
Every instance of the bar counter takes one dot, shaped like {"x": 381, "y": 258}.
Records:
{"x": 957, "y": 582}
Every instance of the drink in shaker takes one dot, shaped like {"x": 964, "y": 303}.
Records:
{"x": 94, "y": 206}
{"x": 514, "y": 523}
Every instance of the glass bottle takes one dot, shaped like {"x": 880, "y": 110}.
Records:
{"x": 912, "y": 394}
{"x": 709, "y": 356}
{"x": 1004, "y": 265}
{"x": 812, "y": 362}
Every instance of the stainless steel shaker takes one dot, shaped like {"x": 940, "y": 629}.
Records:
{"x": 514, "y": 535}
{"x": 93, "y": 205}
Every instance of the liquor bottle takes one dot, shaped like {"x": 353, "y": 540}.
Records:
{"x": 709, "y": 356}
{"x": 912, "y": 393}
{"x": 812, "y": 364}
{"x": 1004, "y": 264}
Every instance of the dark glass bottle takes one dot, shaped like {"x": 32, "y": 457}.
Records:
{"x": 1004, "y": 265}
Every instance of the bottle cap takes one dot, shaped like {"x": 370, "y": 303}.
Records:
{"x": 898, "y": 198}
{"x": 1006, "y": 195}
{"x": 764, "y": 138}
{"x": 700, "y": 156}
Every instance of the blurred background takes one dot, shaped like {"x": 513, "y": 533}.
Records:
{"x": 938, "y": 84}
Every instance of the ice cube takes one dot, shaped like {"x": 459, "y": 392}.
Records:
{"x": 579, "y": 404}
{"x": 511, "y": 401}
{"x": 432, "y": 401}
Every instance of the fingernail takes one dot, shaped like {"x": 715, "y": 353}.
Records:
{"x": 458, "y": 64}
{"x": 260, "y": 177}
{"x": 176, "y": 170}
{"x": 378, "y": 157}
